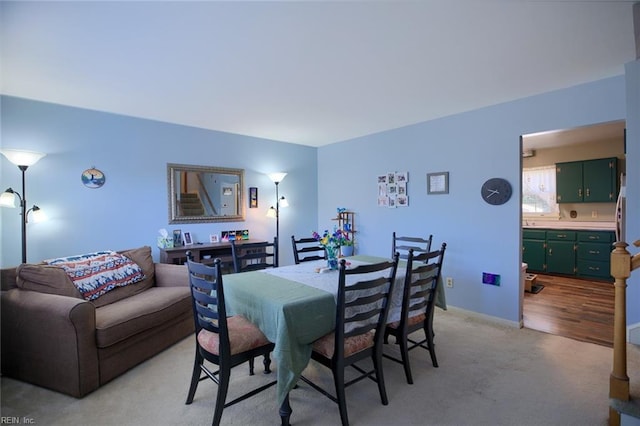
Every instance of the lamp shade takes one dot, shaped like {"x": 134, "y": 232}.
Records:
{"x": 38, "y": 214}
{"x": 283, "y": 202}
{"x": 22, "y": 158}
{"x": 271, "y": 212}
{"x": 277, "y": 177}
{"x": 8, "y": 199}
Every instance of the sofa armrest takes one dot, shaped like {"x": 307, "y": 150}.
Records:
{"x": 168, "y": 275}
{"x": 49, "y": 340}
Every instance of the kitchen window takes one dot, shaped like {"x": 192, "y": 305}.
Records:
{"x": 539, "y": 192}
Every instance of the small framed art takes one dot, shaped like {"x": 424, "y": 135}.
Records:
{"x": 438, "y": 183}
{"x": 253, "y": 197}
{"x": 187, "y": 238}
{"x": 177, "y": 238}
{"x": 213, "y": 238}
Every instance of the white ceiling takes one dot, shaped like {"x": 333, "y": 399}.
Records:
{"x": 305, "y": 72}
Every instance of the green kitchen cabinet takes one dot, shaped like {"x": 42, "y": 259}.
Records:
{"x": 593, "y": 254}
{"x": 534, "y": 249}
{"x": 589, "y": 181}
{"x": 569, "y": 182}
{"x": 561, "y": 252}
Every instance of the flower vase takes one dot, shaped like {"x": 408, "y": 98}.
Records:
{"x": 332, "y": 257}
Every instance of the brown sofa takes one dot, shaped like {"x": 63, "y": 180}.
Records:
{"x": 54, "y": 338}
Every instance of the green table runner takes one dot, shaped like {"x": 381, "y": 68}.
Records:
{"x": 292, "y": 315}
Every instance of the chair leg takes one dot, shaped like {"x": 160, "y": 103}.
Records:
{"x": 195, "y": 377}
{"x": 428, "y": 330}
{"x": 251, "y": 366}
{"x": 377, "y": 363}
{"x": 338, "y": 378}
{"x": 223, "y": 387}
{"x": 404, "y": 352}
{"x": 267, "y": 364}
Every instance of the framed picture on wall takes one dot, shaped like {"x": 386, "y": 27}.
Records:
{"x": 438, "y": 183}
{"x": 253, "y": 197}
{"x": 187, "y": 238}
{"x": 213, "y": 238}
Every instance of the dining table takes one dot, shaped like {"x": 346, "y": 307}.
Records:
{"x": 295, "y": 305}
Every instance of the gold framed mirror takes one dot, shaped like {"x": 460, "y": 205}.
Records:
{"x": 199, "y": 194}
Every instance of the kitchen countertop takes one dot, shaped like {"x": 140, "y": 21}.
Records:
{"x": 589, "y": 226}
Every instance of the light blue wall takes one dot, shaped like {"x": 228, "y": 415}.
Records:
{"x": 632, "y": 73}
{"x": 472, "y": 147}
{"x": 131, "y": 207}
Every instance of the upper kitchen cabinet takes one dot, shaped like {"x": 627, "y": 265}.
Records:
{"x": 590, "y": 181}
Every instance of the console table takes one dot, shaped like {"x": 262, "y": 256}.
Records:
{"x": 202, "y": 253}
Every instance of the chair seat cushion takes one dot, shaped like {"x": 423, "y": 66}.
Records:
{"x": 243, "y": 336}
{"x": 411, "y": 321}
{"x": 326, "y": 344}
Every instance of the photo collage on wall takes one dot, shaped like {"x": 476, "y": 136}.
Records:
{"x": 392, "y": 190}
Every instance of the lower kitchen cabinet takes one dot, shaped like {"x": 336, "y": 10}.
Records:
{"x": 534, "y": 249}
{"x": 593, "y": 257}
{"x": 584, "y": 254}
{"x": 561, "y": 252}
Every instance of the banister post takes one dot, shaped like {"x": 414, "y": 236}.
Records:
{"x": 618, "y": 380}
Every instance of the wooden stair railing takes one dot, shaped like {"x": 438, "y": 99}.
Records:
{"x": 622, "y": 263}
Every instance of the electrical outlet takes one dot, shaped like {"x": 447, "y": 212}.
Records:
{"x": 594, "y": 213}
{"x": 449, "y": 282}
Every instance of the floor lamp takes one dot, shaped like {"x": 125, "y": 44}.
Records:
{"x": 22, "y": 159}
{"x": 275, "y": 212}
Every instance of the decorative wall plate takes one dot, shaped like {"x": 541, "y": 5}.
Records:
{"x": 93, "y": 178}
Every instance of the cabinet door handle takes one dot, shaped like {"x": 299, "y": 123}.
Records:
{"x": 580, "y": 192}
{"x": 588, "y": 192}
{"x": 594, "y": 268}
{"x": 594, "y": 251}
{"x": 550, "y": 251}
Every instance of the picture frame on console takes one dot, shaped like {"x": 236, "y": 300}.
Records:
{"x": 187, "y": 239}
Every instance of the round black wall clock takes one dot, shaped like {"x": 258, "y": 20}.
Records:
{"x": 496, "y": 191}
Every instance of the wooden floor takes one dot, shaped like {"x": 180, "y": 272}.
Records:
{"x": 579, "y": 309}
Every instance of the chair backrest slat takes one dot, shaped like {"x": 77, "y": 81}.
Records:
{"x": 254, "y": 256}
{"x": 363, "y": 303}
{"x": 421, "y": 281}
{"x": 303, "y": 246}
{"x": 207, "y": 299}
{"x": 417, "y": 244}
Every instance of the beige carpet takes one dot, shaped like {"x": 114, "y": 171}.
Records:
{"x": 489, "y": 374}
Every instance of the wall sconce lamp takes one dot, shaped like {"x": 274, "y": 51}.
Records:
{"x": 22, "y": 159}
{"x": 280, "y": 202}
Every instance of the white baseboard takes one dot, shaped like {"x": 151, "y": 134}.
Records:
{"x": 633, "y": 334}
{"x": 489, "y": 318}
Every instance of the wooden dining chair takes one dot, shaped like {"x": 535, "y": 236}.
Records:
{"x": 403, "y": 244}
{"x": 423, "y": 271}
{"x": 361, "y": 313}
{"x": 307, "y": 249}
{"x": 254, "y": 256}
{"x": 223, "y": 341}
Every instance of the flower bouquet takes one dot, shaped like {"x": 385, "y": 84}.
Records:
{"x": 332, "y": 243}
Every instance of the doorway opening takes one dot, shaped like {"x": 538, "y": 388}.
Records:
{"x": 569, "y": 304}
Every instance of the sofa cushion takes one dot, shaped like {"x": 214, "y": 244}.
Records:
{"x": 136, "y": 314}
{"x": 46, "y": 279}
{"x": 95, "y": 274}
{"x": 141, "y": 256}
